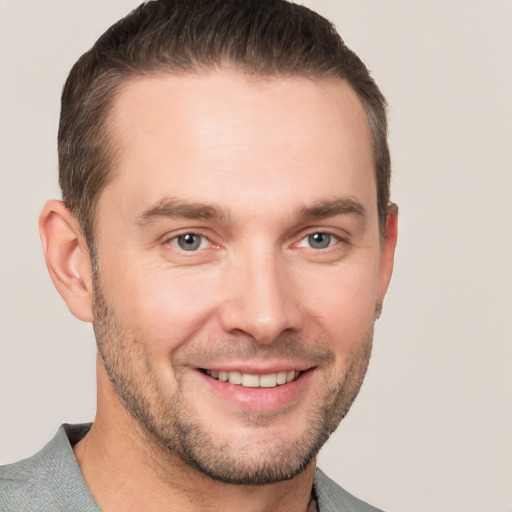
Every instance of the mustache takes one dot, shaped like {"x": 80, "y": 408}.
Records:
{"x": 284, "y": 348}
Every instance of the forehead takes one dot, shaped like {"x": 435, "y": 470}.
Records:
{"x": 224, "y": 133}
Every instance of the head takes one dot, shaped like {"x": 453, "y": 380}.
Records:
{"x": 225, "y": 175}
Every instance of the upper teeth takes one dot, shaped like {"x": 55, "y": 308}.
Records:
{"x": 269, "y": 380}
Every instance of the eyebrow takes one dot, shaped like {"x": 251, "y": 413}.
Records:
{"x": 172, "y": 207}
{"x": 339, "y": 206}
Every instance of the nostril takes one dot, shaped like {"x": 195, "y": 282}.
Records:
{"x": 261, "y": 301}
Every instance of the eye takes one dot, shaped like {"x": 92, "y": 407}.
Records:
{"x": 190, "y": 241}
{"x": 318, "y": 240}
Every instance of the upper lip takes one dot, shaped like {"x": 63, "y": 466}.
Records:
{"x": 257, "y": 369}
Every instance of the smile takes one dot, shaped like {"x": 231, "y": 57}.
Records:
{"x": 269, "y": 380}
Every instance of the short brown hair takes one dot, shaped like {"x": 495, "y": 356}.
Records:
{"x": 260, "y": 37}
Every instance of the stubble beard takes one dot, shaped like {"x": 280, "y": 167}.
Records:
{"x": 171, "y": 423}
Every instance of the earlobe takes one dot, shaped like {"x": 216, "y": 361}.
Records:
{"x": 67, "y": 258}
{"x": 387, "y": 257}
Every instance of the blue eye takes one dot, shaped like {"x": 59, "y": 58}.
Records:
{"x": 318, "y": 240}
{"x": 190, "y": 241}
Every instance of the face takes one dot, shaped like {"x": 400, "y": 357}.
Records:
{"x": 239, "y": 267}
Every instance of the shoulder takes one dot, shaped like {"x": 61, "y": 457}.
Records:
{"x": 47, "y": 481}
{"x": 333, "y": 498}
{"x": 24, "y": 484}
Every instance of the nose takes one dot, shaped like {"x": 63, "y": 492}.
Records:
{"x": 262, "y": 300}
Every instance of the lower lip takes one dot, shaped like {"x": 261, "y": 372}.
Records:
{"x": 259, "y": 399}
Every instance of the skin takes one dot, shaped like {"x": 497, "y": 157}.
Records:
{"x": 253, "y": 167}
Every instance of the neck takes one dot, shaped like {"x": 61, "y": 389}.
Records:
{"x": 126, "y": 469}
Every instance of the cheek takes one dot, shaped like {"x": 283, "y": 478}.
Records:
{"x": 165, "y": 309}
{"x": 342, "y": 303}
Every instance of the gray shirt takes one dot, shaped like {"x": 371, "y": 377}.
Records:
{"x": 51, "y": 481}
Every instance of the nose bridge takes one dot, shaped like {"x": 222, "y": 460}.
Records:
{"x": 262, "y": 303}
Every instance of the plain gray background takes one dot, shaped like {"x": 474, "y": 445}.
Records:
{"x": 432, "y": 427}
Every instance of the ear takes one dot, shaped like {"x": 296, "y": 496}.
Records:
{"x": 67, "y": 258}
{"x": 387, "y": 255}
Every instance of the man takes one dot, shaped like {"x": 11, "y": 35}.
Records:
{"x": 226, "y": 227}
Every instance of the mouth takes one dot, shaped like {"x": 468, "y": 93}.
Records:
{"x": 248, "y": 380}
